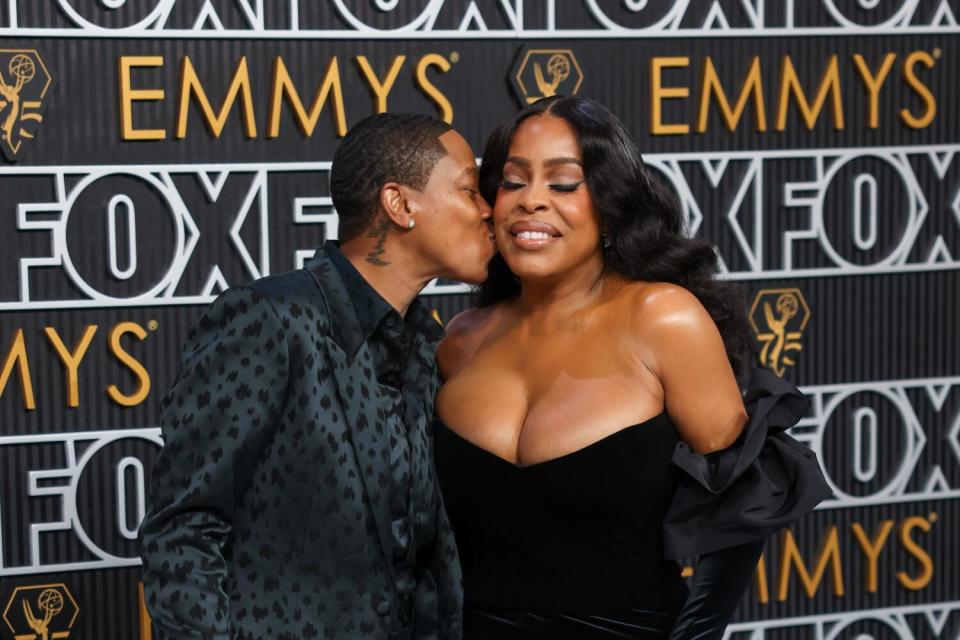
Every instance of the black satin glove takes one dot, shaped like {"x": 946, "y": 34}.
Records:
{"x": 719, "y": 581}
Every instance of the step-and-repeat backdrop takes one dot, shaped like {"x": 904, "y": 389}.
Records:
{"x": 155, "y": 152}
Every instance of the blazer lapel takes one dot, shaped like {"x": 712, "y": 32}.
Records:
{"x": 360, "y": 400}
{"x": 359, "y": 395}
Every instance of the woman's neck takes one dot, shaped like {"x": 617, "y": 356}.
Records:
{"x": 564, "y": 293}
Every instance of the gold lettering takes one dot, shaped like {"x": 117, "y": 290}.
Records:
{"x": 240, "y": 85}
{"x": 926, "y": 574}
{"x": 146, "y": 623}
{"x": 829, "y": 555}
{"x": 871, "y": 549}
{"x": 752, "y": 85}
{"x": 829, "y": 85}
{"x": 380, "y": 90}
{"x": 283, "y": 88}
{"x": 435, "y": 60}
{"x": 71, "y": 360}
{"x": 763, "y": 590}
{"x": 910, "y": 77}
{"x": 116, "y": 348}
{"x": 659, "y": 93}
{"x": 873, "y": 83}
{"x": 128, "y": 96}
{"x": 17, "y": 355}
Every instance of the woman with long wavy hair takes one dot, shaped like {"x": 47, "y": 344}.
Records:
{"x": 592, "y": 428}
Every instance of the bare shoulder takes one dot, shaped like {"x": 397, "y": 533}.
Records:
{"x": 465, "y": 333}
{"x": 662, "y": 310}
{"x": 682, "y": 345}
{"x": 659, "y": 320}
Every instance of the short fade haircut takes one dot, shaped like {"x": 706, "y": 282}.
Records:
{"x": 387, "y": 147}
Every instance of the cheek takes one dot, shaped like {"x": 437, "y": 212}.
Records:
{"x": 580, "y": 216}
{"x": 467, "y": 217}
{"x": 501, "y": 208}
{"x": 505, "y": 202}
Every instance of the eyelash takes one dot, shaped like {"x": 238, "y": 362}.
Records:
{"x": 562, "y": 188}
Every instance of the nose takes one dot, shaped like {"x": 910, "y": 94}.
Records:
{"x": 533, "y": 199}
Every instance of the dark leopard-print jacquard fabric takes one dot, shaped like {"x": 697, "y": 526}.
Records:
{"x": 268, "y": 513}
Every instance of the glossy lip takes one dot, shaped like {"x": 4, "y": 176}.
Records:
{"x": 534, "y": 225}
{"x": 529, "y": 244}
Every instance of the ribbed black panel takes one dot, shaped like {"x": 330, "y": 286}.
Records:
{"x": 877, "y": 288}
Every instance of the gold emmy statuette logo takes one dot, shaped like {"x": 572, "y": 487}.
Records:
{"x": 24, "y": 83}
{"x": 779, "y": 317}
{"x": 42, "y": 611}
{"x": 542, "y": 73}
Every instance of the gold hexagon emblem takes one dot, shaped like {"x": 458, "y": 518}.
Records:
{"x": 24, "y": 84}
{"x": 779, "y": 318}
{"x": 543, "y": 73}
{"x": 41, "y": 612}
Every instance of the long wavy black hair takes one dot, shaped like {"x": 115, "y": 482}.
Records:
{"x": 639, "y": 216}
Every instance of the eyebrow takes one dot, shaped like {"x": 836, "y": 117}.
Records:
{"x": 469, "y": 172}
{"x": 552, "y": 162}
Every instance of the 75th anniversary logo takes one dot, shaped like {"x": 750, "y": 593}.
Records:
{"x": 24, "y": 85}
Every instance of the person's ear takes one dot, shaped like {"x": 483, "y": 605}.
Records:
{"x": 395, "y": 201}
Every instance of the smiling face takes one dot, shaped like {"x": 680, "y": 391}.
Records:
{"x": 452, "y": 218}
{"x": 545, "y": 220}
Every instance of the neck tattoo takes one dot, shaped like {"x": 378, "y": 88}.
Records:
{"x": 379, "y": 231}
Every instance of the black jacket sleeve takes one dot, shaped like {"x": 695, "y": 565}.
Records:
{"x": 217, "y": 418}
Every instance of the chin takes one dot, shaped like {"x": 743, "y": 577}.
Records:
{"x": 529, "y": 267}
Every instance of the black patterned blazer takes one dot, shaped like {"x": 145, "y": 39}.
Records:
{"x": 269, "y": 513}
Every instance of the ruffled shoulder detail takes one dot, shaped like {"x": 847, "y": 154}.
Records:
{"x": 760, "y": 484}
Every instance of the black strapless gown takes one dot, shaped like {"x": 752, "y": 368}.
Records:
{"x": 581, "y": 546}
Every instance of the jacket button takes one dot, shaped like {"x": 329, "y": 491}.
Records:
{"x": 383, "y": 608}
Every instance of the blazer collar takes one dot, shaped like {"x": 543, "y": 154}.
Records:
{"x": 369, "y": 305}
{"x": 346, "y": 328}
